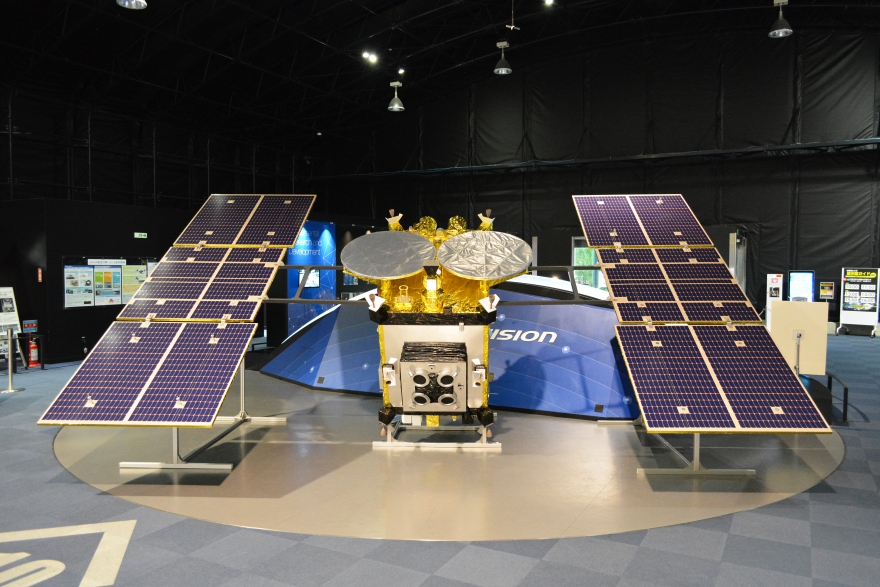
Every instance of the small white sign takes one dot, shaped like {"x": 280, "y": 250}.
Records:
{"x": 140, "y": 235}
{"x": 94, "y": 262}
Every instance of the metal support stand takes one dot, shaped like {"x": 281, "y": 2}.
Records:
{"x": 797, "y": 360}
{"x": 10, "y": 363}
{"x": 397, "y": 426}
{"x": 693, "y": 468}
{"x": 178, "y": 462}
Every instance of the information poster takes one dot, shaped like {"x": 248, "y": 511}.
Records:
{"x": 79, "y": 286}
{"x": 826, "y": 290}
{"x": 108, "y": 285}
{"x": 860, "y": 290}
{"x": 8, "y": 318}
{"x": 133, "y": 276}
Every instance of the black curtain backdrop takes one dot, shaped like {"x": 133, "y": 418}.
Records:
{"x": 599, "y": 117}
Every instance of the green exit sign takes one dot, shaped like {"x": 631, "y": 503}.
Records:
{"x": 140, "y": 235}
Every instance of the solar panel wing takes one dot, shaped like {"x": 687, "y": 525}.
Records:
{"x": 705, "y": 272}
{"x": 251, "y": 255}
{"x": 762, "y": 389}
{"x": 609, "y": 221}
{"x": 659, "y": 312}
{"x": 641, "y": 292}
{"x": 156, "y": 310}
{"x": 219, "y": 221}
{"x": 668, "y": 221}
{"x": 720, "y": 312}
{"x": 675, "y": 389}
{"x": 612, "y": 256}
{"x": 192, "y": 382}
{"x": 230, "y": 310}
{"x": 706, "y": 255}
{"x": 108, "y": 382}
{"x": 170, "y": 289}
{"x": 635, "y": 272}
{"x": 277, "y": 221}
{"x": 191, "y": 254}
{"x": 709, "y": 292}
{"x": 184, "y": 270}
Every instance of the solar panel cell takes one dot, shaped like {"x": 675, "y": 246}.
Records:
{"x": 626, "y": 256}
{"x": 219, "y": 221}
{"x": 705, "y": 255}
{"x": 249, "y": 271}
{"x": 159, "y": 309}
{"x": 193, "y": 379}
{"x": 717, "y": 311}
{"x": 607, "y": 220}
{"x": 277, "y": 220}
{"x": 674, "y": 387}
{"x": 668, "y": 220}
{"x": 699, "y": 292}
{"x": 232, "y": 310}
{"x": 639, "y": 272}
{"x": 761, "y": 388}
{"x": 653, "y": 311}
{"x": 110, "y": 379}
{"x": 643, "y": 292}
{"x": 705, "y": 272}
{"x": 212, "y": 255}
{"x": 235, "y": 290}
{"x": 170, "y": 289}
{"x": 251, "y": 255}
{"x": 188, "y": 271}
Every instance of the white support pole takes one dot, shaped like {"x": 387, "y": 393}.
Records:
{"x": 693, "y": 468}
{"x": 176, "y": 462}
{"x": 10, "y": 363}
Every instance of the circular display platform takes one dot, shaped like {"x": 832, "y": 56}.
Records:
{"x": 485, "y": 255}
{"x": 555, "y": 477}
{"x": 387, "y": 255}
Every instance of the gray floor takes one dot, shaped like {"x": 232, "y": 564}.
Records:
{"x": 827, "y": 536}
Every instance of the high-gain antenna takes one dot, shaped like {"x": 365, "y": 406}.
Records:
{"x": 511, "y": 26}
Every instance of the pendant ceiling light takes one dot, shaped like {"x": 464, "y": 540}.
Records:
{"x": 395, "y": 105}
{"x": 781, "y": 28}
{"x": 133, "y": 4}
{"x": 502, "y": 67}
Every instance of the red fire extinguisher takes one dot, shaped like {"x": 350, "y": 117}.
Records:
{"x": 33, "y": 353}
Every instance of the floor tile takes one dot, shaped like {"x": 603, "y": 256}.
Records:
{"x": 419, "y": 556}
{"x": 353, "y": 546}
{"x": 669, "y": 569}
{"x": 546, "y": 574}
{"x": 185, "y": 572}
{"x": 487, "y": 568}
{"x": 707, "y": 544}
{"x": 766, "y": 554}
{"x": 370, "y": 573}
{"x": 738, "y": 576}
{"x": 305, "y": 565}
{"x": 848, "y": 569}
{"x": 775, "y": 528}
{"x": 532, "y": 548}
{"x": 188, "y": 535}
{"x": 243, "y": 550}
{"x": 602, "y": 556}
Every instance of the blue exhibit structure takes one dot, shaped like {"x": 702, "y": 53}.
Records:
{"x": 549, "y": 359}
{"x": 315, "y": 245}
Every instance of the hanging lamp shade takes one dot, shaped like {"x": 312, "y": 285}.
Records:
{"x": 780, "y": 28}
{"x": 133, "y": 4}
{"x": 503, "y": 67}
{"x": 395, "y": 105}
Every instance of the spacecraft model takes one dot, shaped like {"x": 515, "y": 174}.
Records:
{"x": 434, "y": 309}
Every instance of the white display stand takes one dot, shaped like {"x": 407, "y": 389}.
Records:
{"x": 774, "y": 293}
{"x": 9, "y": 320}
{"x": 800, "y": 330}
{"x": 858, "y": 298}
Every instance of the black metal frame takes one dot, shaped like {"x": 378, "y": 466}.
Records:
{"x": 576, "y": 298}
{"x": 845, "y": 408}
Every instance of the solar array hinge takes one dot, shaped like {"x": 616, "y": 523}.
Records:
{"x": 730, "y": 326}
{"x": 200, "y": 246}
{"x": 223, "y": 322}
{"x": 147, "y": 321}
{"x": 618, "y": 248}
{"x": 264, "y": 246}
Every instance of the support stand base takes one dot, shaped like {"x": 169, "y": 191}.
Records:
{"x": 396, "y": 427}
{"x": 178, "y": 466}
{"x": 693, "y": 468}
{"x": 12, "y": 390}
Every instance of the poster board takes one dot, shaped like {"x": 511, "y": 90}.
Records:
{"x": 97, "y": 281}
{"x": 858, "y": 296}
{"x": 8, "y": 318}
{"x": 810, "y": 319}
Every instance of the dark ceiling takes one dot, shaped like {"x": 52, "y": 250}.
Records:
{"x": 278, "y": 72}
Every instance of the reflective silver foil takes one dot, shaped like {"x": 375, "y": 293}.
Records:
{"x": 485, "y": 255}
{"x": 387, "y": 255}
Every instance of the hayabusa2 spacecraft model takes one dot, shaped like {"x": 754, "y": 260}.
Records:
{"x": 433, "y": 309}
